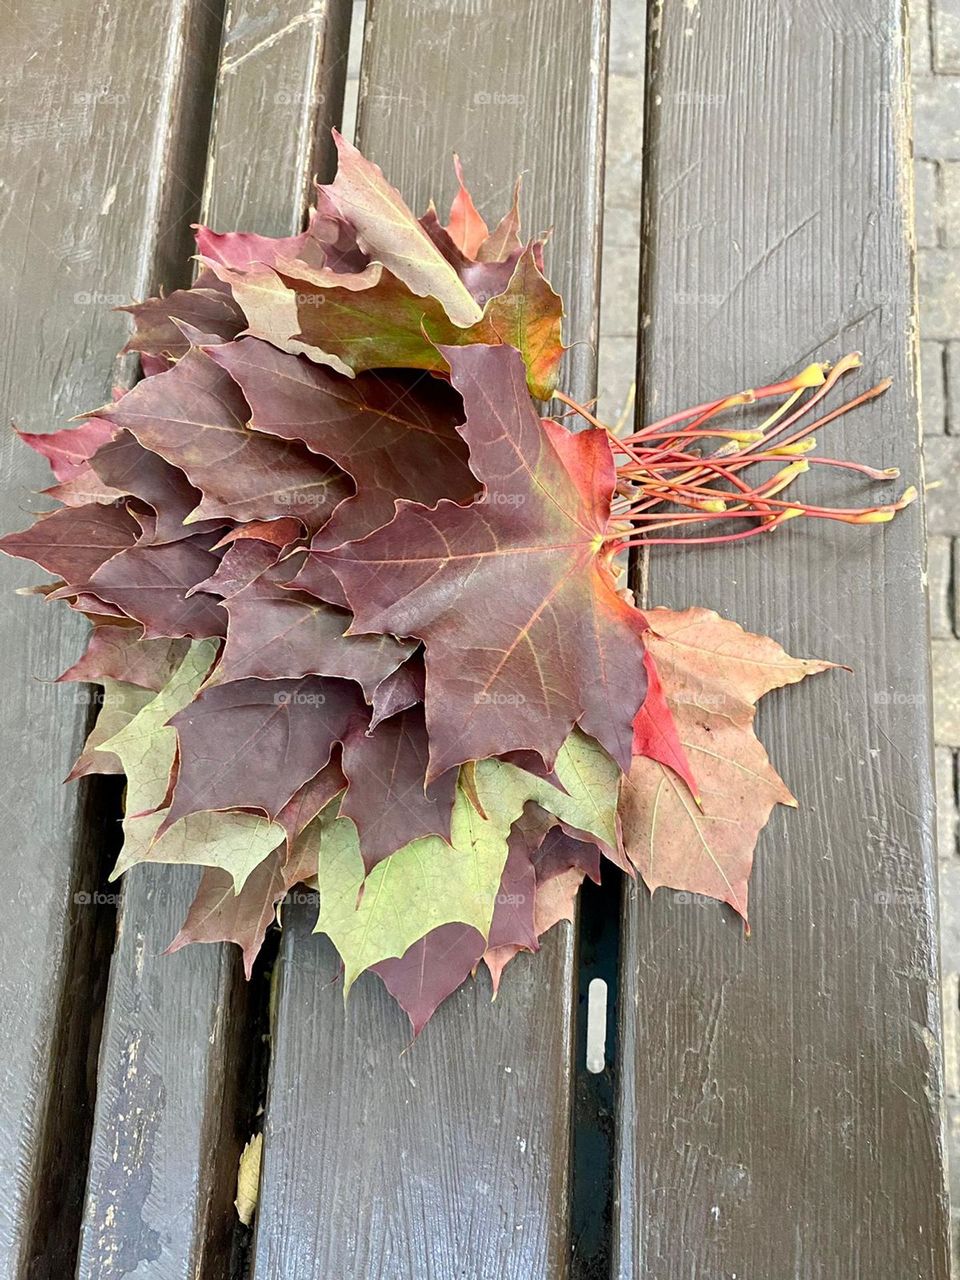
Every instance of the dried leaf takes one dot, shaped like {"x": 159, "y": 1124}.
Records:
{"x": 248, "y": 1179}
{"x": 560, "y": 647}
{"x": 712, "y": 672}
{"x": 195, "y": 417}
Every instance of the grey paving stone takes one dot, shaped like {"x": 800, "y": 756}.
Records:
{"x": 950, "y": 203}
{"x": 942, "y": 465}
{"x": 618, "y": 296}
{"x": 947, "y": 810}
{"x": 939, "y": 573}
{"x": 950, "y": 988}
{"x": 953, "y": 388}
{"x": 950, "y": 918}
{"x": 956, "y": 581}
{"x": 615, "y": 376}
{"x": 927, "y": 203}
{"x": 621, "y": 228}
{"x": 933, "y": 408}
{"x": 946, "y": 36}
{"x": 622, "y": 175}
{"x": 936, "y": 118}
{"x": 921, "y": 53}
{"x": 628, "y": 38}
{"x": 940, "y": 292}
{"x": 946, "y": 702}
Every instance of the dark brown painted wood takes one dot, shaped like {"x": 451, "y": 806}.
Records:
{"x": 171, "y": 1115}
{"x": 99, "y": 156}
{"x": 452, "y": 1159}
{"x": 779, "y": 1101}
{"x": 279, "y": 89}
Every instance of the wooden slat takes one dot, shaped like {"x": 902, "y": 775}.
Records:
{"x": 98, "y": 154}
{"x": 452, "y": 1159}
{"x": 171, "y": 1115}
{"x": 279, "y": 89}
{"x": 779, "y": 1101}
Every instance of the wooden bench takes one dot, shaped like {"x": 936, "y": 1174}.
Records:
{"x": 775, "y": 1102}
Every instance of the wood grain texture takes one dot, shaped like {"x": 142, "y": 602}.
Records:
{"x": 451, "y": 1160}
{"x": 171, "y": 1118}
{"x": 779, "y": 1101}
{"x": 98, "y": 158}
{"x": 279, "y": 89}
{"x": 163, "y": 1158}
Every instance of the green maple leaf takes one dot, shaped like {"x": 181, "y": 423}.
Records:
{"x": 233, "y": 841}
{"x": 119, "y": 703}
{"x": 146, "y": 747}
{"x": 429, "y": 882}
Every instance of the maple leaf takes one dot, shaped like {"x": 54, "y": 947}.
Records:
{"x": 387, "y": 231}
{"x": 208, "y": 307}
{"x": 289, "y": 727}
{"x": 118, "y": 703}
{"x": 713, "y": 673}
{"x": 219, "y": 914}
{"x": 233, "y": 841}
{"x": 431, "y": 881}
{"x": 274, "y": 633}
{"x": 387, "y": 795}
{"x": 69, "y": 450}
{"x": 243, "y": 562}
{"x": 528, "y": 315}
{"x": 85, "y": 487}
{"x": 466, "y": 228}
{"x": 469, "y": 256}
{"x": 120, "y": 653}
{"x": 431, "y": 970}
{"x": 127, "y": 468}
{"x": 562, "y": 647}
{"x": 314, "y": 796}
{"x": 279, "y": 533}
{"x": 74, "y": 541}
{"x": 243, "y": 248}
{"x": 371, "y": 319}
{"x": 402, "y": 689}
{"x": 551, "y": 865}
{"x": 153, "y": 584}
{"x": 195, "y": 417}
{"x": 146, "y": 745}
{"x": 512, "y": 923}
{"x": 394, "y": 435}
{"x": 435, "y": 966}
{"x": 222, "y": 913}
{"x": 655, "y": 731}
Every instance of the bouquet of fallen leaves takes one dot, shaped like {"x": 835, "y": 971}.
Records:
{"x": 358, "y": 609}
